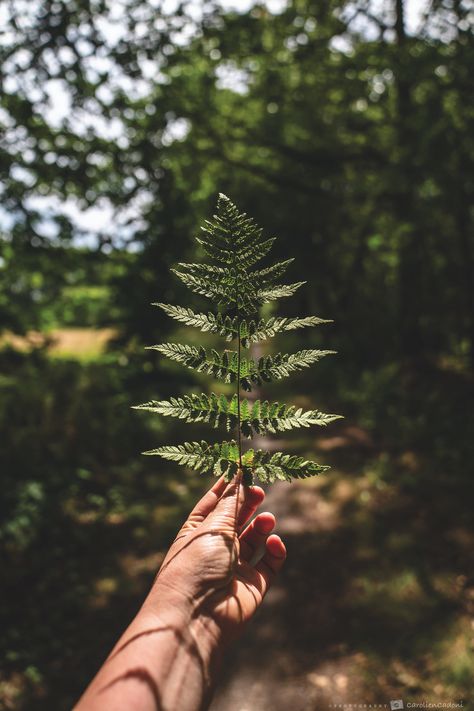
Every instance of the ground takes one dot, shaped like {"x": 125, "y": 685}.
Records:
{"x": 376, "y": 599}
{"x": 360, "y": 615}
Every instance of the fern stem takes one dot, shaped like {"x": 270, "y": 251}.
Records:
{"x": 239, "y": 433}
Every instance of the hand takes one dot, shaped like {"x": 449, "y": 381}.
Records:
{"x": 223, "y": 566}
{"x": 212, "y": 580}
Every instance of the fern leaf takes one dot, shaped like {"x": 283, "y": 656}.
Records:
{"x": 222, "y": 366}
{"x": 213, "y": 409}
{"x": 281, "y": 365}
{"x": 250, "y": 331}
{"x": 235, "y": 244}
{"x": 248, "y": 256}
{"x": 286, "y": 467}
{"x": 194, "y": 455}
{"x": 225, "y": 366}
{"x": 264, "y": 329}
{"x": 232, "y": 234}
{"x": 235, "y": 276}
{"x": 258, "y": 417}
{"x": 202, "y": 285}
{"x": 278, "y": 292}
{"x": 263, "y": 417}
{"x": 213, "y": 323}
{"x": 220, "y": 459}
{"x": 269, "y": 274}
{"x": 233, "y": 287}
{"x": 227, "y": 291}
{"x": 187, "y": 316}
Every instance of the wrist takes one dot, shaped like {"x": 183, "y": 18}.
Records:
{"x": 185, "y": 612}
{"x": 170, "y": 601}
{"x": 190, "y": 657}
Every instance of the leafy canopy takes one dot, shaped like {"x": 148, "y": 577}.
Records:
{"x": 239, "y": 287}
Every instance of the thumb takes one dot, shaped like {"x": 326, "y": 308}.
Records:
{"x": 227, "y": 510}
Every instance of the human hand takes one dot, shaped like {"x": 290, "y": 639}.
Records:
{"x": 217, "y": 563}
{"x": 210, "y": 583}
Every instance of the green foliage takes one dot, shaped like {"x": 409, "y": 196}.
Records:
{"x": 223, "y": 458}
{"x": 250, "y": 331}
{"x": 255, "y": 418}
{"x": 224, "y": 366}
{"x": 233, "y": 243}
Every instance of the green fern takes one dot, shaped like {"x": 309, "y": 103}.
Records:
{"x": 234, "y": 243}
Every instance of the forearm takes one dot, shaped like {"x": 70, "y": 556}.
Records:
{"x": 207, "y": 589}
{"x": 166, "y": 660}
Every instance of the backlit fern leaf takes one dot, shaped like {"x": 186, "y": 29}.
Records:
{"x": 224, "y": 366}
{"x": 233, "y": 282}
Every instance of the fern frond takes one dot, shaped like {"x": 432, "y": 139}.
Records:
{"x": 227, "y": 291}
{"x": 269, "y": 467}
{"x": 213, "y": 409}
{"x": 283, "y": 364}
{"x": 234, "y": 243}
{"x": 250, "y": 331}
{"x": 278, "y": 292}
{"x": 222, "y": 254}
{"x": 252, "y": 254}
{"x": 194, "y": 455}
{"x": 205, "y": 322}
{"x": 222, "y": 366}
{"x": 213, "y": 323}
{"x": 261, "y": 277}
{"x": 234, "y": 287}
{"x": 263, "y": 417}
{"x": 187, "y": 355}
{"x": 220, "y": 458}
{"x": 207, "y": 270}
{"x": 202, "y": 285}
{"x": 235, "y": 276}
{"x": 256, "y": 417}
{"x": 232, "y": 235}
{"x": 225, "y": 366}
{"x": 263, "y": 329}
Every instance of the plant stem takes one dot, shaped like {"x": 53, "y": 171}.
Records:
{"x": 239, "y": 433}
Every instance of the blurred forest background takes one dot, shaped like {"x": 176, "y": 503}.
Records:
{"x": 347, "y": 130}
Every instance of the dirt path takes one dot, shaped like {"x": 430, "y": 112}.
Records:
{"x": 292, "y": 656}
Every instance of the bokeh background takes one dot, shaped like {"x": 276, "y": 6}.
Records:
{"x": 347, "y": 130}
